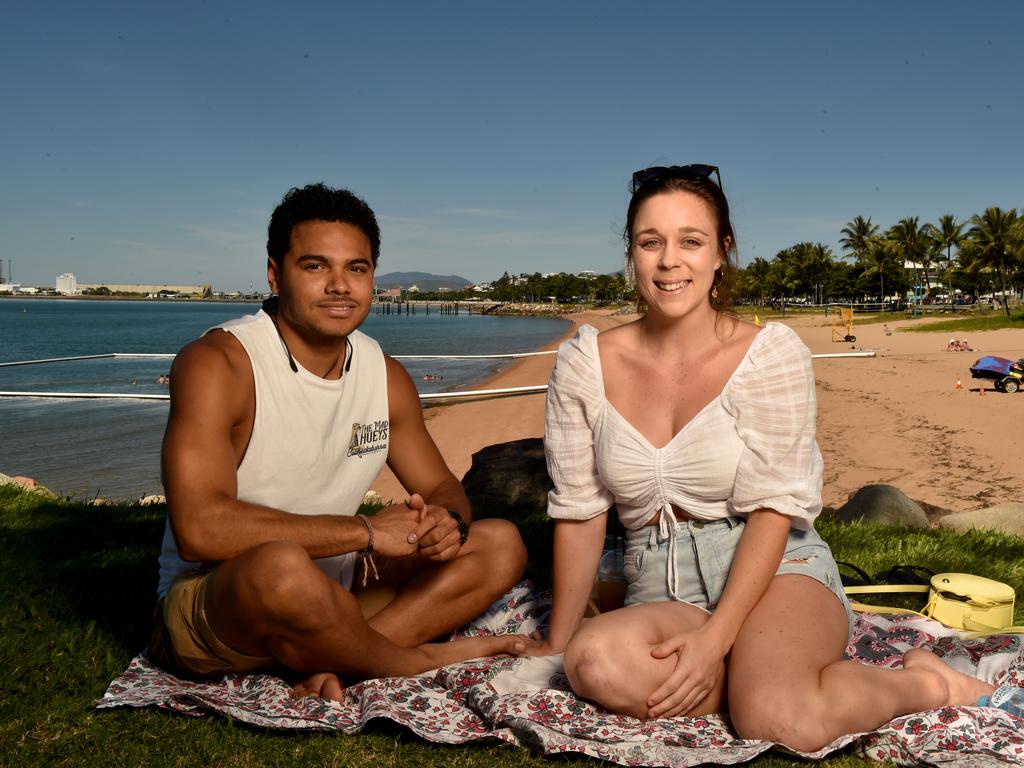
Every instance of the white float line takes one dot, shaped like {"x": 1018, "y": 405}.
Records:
{"x": 487, "y": 392}
{"x": 106, "y": 355}
{"x": 165, "y": 356}
{"x": 527, "y": 390}
{"x": 474, "y": 357}
{"x": 827, "y": 355}
{"x": 88, "y": 395}
{"x": 130, "y": 396}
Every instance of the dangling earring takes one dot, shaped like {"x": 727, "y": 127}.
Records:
{"x": 716, "y": 283}
{"x": 714, "y": 292}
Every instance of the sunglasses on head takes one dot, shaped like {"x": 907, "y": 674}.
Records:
{"x": 662, "y": 172}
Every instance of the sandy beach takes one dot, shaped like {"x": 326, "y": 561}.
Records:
{"x": 895, "y": 418}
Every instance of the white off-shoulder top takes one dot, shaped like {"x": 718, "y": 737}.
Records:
{"x": 750, "y": 448}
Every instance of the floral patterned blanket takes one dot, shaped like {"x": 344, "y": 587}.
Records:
{"x": 527, "y": 701}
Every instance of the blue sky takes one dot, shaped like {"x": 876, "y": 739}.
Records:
{"x": 146, "y": 142}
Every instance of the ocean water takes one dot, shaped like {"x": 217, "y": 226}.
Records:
{"x": 111, "y": 448}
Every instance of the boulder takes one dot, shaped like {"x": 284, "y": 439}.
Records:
{"x": 510, "y": 481}
{"x": 28, "y": 484}
{"x": 932, "y": 511}
{"x": 883, "y": 505}
{"x": 1006, "y": 518}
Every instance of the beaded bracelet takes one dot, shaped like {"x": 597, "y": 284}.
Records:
{"x": 463, "y": 528}
{"x": 366, "y": 555}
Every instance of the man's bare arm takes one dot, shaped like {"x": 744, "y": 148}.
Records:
{"x": 208, "y": 428}
{"x": 417, "y": 463}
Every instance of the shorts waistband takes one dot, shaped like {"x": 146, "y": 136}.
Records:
{"x": 650, "y": 535}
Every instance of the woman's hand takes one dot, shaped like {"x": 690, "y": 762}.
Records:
{"x": 539, "y": 645}
{"x": 700, "y": 664}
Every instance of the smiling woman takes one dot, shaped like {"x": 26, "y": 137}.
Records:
{"x": 700, "y": 429}
{"x": 705, "y": 224}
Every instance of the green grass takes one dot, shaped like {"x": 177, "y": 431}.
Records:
{"x": 992, "y": 321}
{"x": 77, "y": 584}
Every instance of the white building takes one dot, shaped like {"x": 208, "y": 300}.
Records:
{"x": 67, "y": 284}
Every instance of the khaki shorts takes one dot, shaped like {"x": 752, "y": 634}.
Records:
{"x": 182, "y": 639}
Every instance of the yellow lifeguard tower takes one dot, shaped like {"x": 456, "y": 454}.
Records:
{"x": 842, "y": 325}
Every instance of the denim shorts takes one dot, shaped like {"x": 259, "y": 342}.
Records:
{"x": 704, "y": 554}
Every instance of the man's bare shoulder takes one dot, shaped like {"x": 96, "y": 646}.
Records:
{"x": 216, "y": 359}
{"x": 216, "y": 348}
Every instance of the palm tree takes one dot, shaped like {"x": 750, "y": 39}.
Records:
{"x": 814, "y": 262}
{"x": 782, "y": 275}
{"x": 911, "y": 240}
{"x": 756, "y": 276}
{"x": 879, "y": 258}
{"x": 997, "y": 234}
{"x": 948, "y": 234}
{"x": 857, "y": 236}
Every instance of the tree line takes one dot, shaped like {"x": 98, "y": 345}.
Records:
{"x": 536, "y": 288}
{"x": 979, "y": 255}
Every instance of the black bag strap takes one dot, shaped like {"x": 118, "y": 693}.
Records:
{"x": 905, "y": 573}
{"x": 862, "y": 578}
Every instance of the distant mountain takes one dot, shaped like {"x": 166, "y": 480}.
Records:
{"x": 422, "y": 280}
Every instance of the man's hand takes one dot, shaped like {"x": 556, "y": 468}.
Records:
{"x": 399, "y": 529}
{"x": 699, "y": 664}
{"x": 443, "y": 541}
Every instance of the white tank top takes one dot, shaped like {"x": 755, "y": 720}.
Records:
{"x": 316, "y": 444}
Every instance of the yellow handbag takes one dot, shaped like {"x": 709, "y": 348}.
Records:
{"x": 974, "y": 603}
{"x": 961, "y": 601}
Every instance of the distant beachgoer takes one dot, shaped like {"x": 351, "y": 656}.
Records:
{"x": 717, "y": 477}
{"x": 257, "y": 570}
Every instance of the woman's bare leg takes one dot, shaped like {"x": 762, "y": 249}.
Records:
{"x": 609, "y": 660}
{"x": 788, "y": 682}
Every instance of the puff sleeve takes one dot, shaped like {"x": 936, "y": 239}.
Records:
{"x": 773, "y": 401}
{"x": 579, "y": 493}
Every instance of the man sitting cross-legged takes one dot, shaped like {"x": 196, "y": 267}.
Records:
{"x": 279, "y": 422}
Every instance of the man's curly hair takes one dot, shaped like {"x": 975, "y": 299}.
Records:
{"x": 318, "y": 202}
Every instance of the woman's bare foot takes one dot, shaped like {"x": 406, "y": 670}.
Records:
{"x": 473, "y": 648}
{"x": 960, "y": 689}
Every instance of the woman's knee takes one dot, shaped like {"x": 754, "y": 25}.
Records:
{"x": 603, "y": 668}
{"x": 591, "y": 663}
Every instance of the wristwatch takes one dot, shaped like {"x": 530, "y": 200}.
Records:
{"x": 463, "y": 528}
